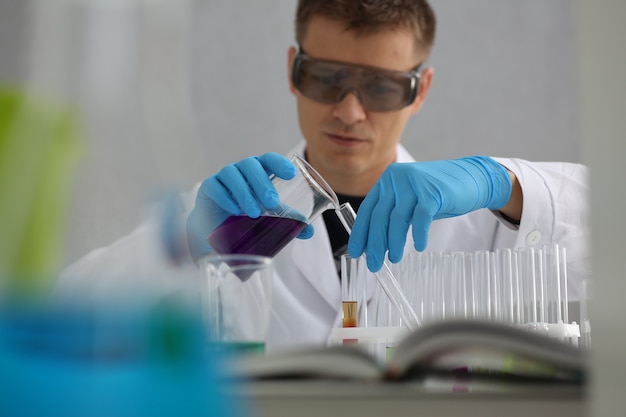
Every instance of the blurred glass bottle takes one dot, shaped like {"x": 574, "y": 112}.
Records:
{"x": 112, "y": 73}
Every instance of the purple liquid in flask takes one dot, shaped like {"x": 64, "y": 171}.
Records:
{"x": 265, "y": 235}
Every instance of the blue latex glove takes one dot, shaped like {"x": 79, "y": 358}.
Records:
{"x": 415, "y": 194}
{"x": 240, "y": 188}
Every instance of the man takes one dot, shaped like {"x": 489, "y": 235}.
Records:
{"x": 359, "y": 73}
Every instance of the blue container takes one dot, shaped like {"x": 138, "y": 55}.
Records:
{"x": 59, "y": 361}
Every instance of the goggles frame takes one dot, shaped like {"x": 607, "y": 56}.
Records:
{"x": 408, "y": 81}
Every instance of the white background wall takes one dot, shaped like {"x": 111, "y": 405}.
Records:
{"x": 504, "y": 81}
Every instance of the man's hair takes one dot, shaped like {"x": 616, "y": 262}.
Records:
{"x": 370, "y": 16}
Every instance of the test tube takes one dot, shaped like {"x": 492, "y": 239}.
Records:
{"x": 353, "y": 293}
{"x": 429, "y": 287}
{"x": 416, "y": 295}
{"x": 402, "y": 271}
{"x": 552, "y": 283}
{"x": 504, "y": 276}
{"x": 349, "y": 313}
{"x": 384, "y": 276}
{"x": 472, "y": 285}
{"x": 527, "y": 274}
{"x": 585, "y": 325}
{"x": 459, "y": 284}
{"x": 541, "y": 286}
{"x": 517, "y": 289}
{"x": 563, "y": 284}
{"x": 482, "y": 276}
{"x": 438, "y": 279}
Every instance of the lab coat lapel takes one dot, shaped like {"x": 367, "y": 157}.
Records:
{"x": 314, "y": 260}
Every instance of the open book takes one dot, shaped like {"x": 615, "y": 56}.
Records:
{"x": 484, "y": 350}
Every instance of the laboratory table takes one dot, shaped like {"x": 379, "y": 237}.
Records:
{"x": 303, "y": 398}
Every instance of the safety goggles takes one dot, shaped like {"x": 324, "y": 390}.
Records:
{"x": 378, "y": 90}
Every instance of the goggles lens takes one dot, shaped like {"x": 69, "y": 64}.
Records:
{"x": 378, "y": 90}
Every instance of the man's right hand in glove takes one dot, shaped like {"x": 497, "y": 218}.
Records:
{"x": 240, "y": 188}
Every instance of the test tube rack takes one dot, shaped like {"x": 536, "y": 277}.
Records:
{"x": 525, "y": 287}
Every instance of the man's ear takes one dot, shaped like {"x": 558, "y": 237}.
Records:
{"x": 426, "y": 79}
{"x": 291, "y": 54}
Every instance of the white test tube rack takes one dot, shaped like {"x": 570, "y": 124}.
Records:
{"x": 525, "y": 287}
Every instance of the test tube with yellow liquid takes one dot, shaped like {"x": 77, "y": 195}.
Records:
{"x": 353, "y": 292}
{"x": 349, "y": 317}
{"x": 353, "y": 295}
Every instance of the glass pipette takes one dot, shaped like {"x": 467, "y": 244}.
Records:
{"x": 385, "y": 277}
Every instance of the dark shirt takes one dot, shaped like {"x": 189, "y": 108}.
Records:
{"x": 336, "y": 232}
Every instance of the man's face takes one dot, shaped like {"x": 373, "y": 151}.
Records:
{"x": 349, "y": 145}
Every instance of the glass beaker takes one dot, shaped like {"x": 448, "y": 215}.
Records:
{"x": 237, "y": 311}
{"x": 302, "y": 199}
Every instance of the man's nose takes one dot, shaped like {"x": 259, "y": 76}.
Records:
{"x": 349, "y": 110}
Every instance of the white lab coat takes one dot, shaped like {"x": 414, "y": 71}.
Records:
{"x": 307, "y": 293}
